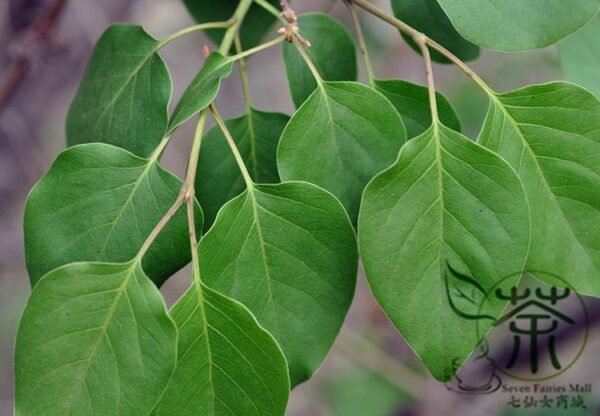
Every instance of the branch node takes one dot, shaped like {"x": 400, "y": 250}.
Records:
{"x": 420, "y": 38}
{"x": 292, "y": 30}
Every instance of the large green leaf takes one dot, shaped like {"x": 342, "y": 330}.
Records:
{"x": 256, "y": 24}
{"x": 288, "y": 252}
{"x": 99, "y": 203}
{"x": 428, "y": 17}
{"x": 227, "y": 363}
{"x": 446, "y": 202}
{"x": 203, "y": 89}
{"x": 256, "y": 135}
{"x": 580, "y": 56}
{"x": 95, "y": 339}
{"x": 341, "y": 137}
{"x": 335, "y": 58}
{"x": 412, "y": 102}
{"x": 124, "y": 96}
{"x": 551, "y": 135}
{"x": 516, "y": 25}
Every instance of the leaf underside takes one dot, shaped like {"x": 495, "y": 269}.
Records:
{"x": 516, "y": 25}
{"x": 550, "y": 134}
{"x": 288, "y": 252}
{"x": 446, "y": 201}
{"x": 580, "y": 56}
{"x": 95, "y": 338}
{"x": 342, "y": 136}
{"x": 227, "y": 364}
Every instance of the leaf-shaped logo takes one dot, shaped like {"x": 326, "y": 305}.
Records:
{"x": 465, "y": 294}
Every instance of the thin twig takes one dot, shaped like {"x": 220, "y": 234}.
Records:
{"x": 271, "y": 9}
{"x": 291, "y": 31}
{"x": 236, "y": 153}
{"x": 204, "y": 26}
{"x": 243, "y": 75}
{"x": 311, "y": 66}
{"x": 189, "y": 191}
{"x": 256, "y": 49}
{"x": 162, "y": 224}
{"x": 238, "y": 18}
{"x": 403, "y": 27}
{"x": 419, "y": 39}
{"x": 285, "y": 6}
{"x": 361, "y": 42}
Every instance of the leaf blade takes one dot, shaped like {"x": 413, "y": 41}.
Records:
{"x": 438, "y": 204}
{"x": 202, "y": 90}
{"x": 549, "y": 134}
{"x": 580, "y": 56}
{"x": 99, "y": 203}
{"x": 107, "y": 346}
{"x": 342, "y": 136}
{"x": 293, "y": 253}
{"x": 513, "y": 26}
{"x": 247, "y": 373}
{"x": 110, "y": 107}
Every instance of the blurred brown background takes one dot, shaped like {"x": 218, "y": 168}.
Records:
{"x": 370, "y": 371}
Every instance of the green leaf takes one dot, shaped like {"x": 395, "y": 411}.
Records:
{"x": 203, "y": 89}
{"x": 428, "y": 17}
{"x": 256, "y": 135}
{"x": 341, "y": 137}
{"x": 332, "y": 52}
{"x": 99, "y": 203}
{"x": 288, "y": 252}
{"x": 551, "y": 135}
{"x": 517, "y": 25}
{"x": 412, "y": 102}
{"x": 95, "y": 338}
{"x": 580, "y": 56}
{"x": 255, "y": 26}
{"x": 124, "y": 96}
{"x": 227, "y": 363}
{"x": 445, "y": 201}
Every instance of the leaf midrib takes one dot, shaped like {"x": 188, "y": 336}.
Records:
{"x": 440, "y": 172}
{"x": 200, "y": 299}
{"x": 263, "y": 252}
{"x": 143, "y": 175}
{"x": 129, "y": 79}
{"x": 252, "y": 134}
{"x": 102, "y": 333}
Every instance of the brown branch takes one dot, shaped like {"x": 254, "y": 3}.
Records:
{"x": 38, "y": 32}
